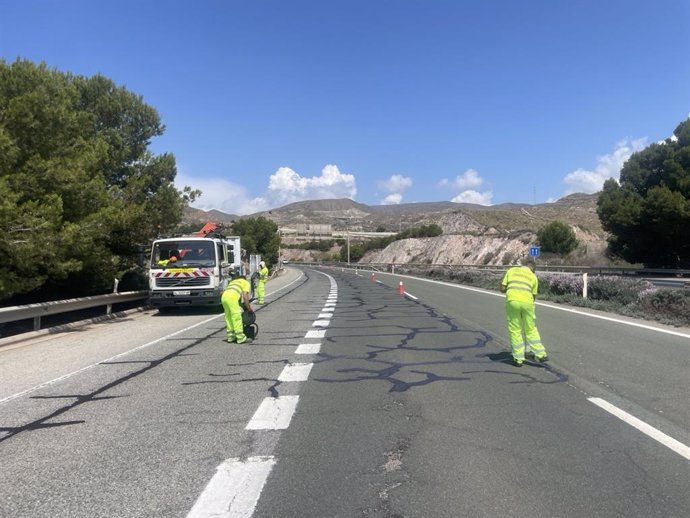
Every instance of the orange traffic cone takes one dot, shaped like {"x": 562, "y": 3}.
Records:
{"x": 373, "y": 277}
{"x": 401, "y": 288}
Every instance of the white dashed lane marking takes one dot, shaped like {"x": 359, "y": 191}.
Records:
{"x": 308, "y": 348}
{"x": 321, "y": 323}
{"x": 234, "y": 490}
{"x": 296, "y": 372}
{"x": 274, "y": 413}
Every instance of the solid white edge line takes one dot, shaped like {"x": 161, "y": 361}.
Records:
{"x": 83, "y": 369}
{"x": 287, "y": 285}
{"x": 411, "y": 296}
{"x": 569, "y": 310}
{"x": 274, "y": 413}
{"x": 66, "y": 376}
{"x": 659, "y": 436}
{"x": 234, "y": 489}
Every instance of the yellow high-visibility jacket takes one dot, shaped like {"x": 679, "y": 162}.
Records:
{"x": 236, "y": 288}
{"x": 520, "y": 284}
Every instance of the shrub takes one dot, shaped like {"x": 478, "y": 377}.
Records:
{"x": 667, "y": 305}
{"x": 619, "y": 289}
{"x": 557, "y": 237}
{"x": 560, "y": 284}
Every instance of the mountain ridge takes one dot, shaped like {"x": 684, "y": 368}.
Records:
{"x": 577, "y": 210}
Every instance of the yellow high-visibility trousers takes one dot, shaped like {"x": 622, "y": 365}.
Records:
{"x": 521, "y": 317}
{"x": 233, "y": 316}
{"x": 260, "y": 291}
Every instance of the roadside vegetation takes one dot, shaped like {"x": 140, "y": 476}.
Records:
{"x": 80, "y": 190}
{"x": 647, "y": 214}
{"x": 625, "y": 296}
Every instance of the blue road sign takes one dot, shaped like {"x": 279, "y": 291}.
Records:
{"x": 534, "y": 251}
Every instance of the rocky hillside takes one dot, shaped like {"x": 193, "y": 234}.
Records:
{"x": 578, "y": 210}
{"x": 472, "y": 234}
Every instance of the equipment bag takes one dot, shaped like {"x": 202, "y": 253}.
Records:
{"x": 251, "y": 328}
{"x": 251, "y": 331}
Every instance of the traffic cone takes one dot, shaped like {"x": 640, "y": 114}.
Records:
{"x": 373, "y": 277}
{"x": 401, "y": 288}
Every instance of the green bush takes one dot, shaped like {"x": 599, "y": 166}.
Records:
{"x": 557, "y": 237}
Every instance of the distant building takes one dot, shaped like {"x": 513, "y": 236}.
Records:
{"x": 307, "y": 232}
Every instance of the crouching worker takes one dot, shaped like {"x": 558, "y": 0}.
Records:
{"x": 235, "y": 296}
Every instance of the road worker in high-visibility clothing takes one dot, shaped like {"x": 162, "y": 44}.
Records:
{"x": 235, "y": 296}
{"x": 172, "y": 258}
{"x": 261, "y": 286}
{"x": 520, "y": 286}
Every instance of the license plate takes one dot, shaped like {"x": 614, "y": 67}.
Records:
{"x": 181, "y": 293}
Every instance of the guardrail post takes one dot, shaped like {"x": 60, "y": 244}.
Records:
{"x": 109, "y": 307}
{"x": 584, "y": 285}
{"x": 37, "y": 323}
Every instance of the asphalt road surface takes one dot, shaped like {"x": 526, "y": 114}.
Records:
{"x": 354, "y": 401}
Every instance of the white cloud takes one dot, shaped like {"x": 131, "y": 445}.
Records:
{"x": 223, "y": 195}
{"x": 468, "y": 179}
{"x": 286, "y": 186}
{"x": 465, "y": 182}
{"x": 395, "y": 186}
{"x": 392, "y": 199}
{"x": 608, "y": 166}
{"x": 397, "y": 183}
{"x": 470, "y": 196}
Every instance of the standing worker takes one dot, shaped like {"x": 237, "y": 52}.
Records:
{"x": 520, "y": 286}
{"x": 261, "y": 286}
{"x": 234, "y": 296}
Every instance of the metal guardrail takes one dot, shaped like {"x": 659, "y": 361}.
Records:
{"x": 593, "y": 270}
{"x": 661, "y": 277}
{"x": 36, "y": 311}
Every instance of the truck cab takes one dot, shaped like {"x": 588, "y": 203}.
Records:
{"x": 192, "y": 270}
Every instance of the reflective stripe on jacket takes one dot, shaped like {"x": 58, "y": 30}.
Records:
{"x": 521, "y": 284}
{"x": 263, "y": 274}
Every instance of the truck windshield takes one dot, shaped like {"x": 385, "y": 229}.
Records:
{"x": 183, "y": 254}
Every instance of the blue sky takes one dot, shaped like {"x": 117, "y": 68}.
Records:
{"x": 270, "y": 102}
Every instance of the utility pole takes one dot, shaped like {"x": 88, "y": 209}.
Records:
{"x": 280, "y": 262}
{"x": 348, "y": 246}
